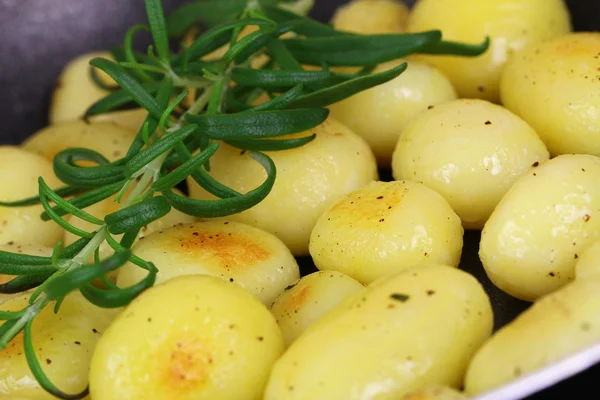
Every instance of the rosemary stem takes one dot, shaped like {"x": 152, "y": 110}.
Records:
{"x": 201, "y": 102}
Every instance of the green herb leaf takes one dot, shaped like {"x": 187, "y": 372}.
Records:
{"x": 158, "y": 26}
{"x": 130, "y": 54}
{"x": 283, "y": 56}
{"x": 90, "y": 177}
{"x": 65, "y": 205}
{"x": 459, "y": 49}
{"x": 280, "y": 102}
{"x": 117, "y": 99}
{"x": 137, "y": 215}
{"x": 64, "y": 191}
{"x": 278, "y": 78}
{"x": 305, "y": 26}
{"x": 211, "y": 13}
{"x": 23, "y": 283}
{"x": 271, "y": 145}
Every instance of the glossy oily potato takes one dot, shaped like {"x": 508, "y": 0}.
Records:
{"x": 420, "y": 327}
{"x": 29, "y": 249}
{"x": 370, "y": 17}
{"x": 309, "y": 180}
{"x": 588, "y": 264}
{"x": 237, "y": 253}
{"x": 75, "y": 91}
{"x": 193, "y": 337}
{"x": 108, "y": 139}
{"x": 381, "y": 113}
{"x": 561, "y": 79}
{"x": 435, "y": 392}
{"x": 555, "y": 327}
{"x": 511, "y": 25}
{"x": 531, "y": 243}
{"x": 307, "y": 300}
{"x": 19, "y": 173}
{"x": 63, "y": 343}
{"x": 470, "y": 152}
{"x": 385, "y": 228}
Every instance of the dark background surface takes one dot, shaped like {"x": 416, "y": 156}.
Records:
{"x": 38, "y": 37}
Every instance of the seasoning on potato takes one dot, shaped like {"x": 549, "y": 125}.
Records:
{"x": 381, "y": 113}
{"x": 238, "y": 253}
{"x": 193, "y": 337}
{"x": 75, "y": 90}
{"x": 19, "y": 173}
{"x": 555, "y": 326}
{"x": 108, "y": 139}
{"x": 419, "y": 327}
{"x": 309, "y": 180}
{"x": 510, "y": 24}
{"x": 554, "y": 86}
{"x": 385, "y": 228}
{"x": 371, "y": 17}
{"x": 63, "y": 344}
{"x": 470, "y": 152}
{"x": 531, "y": 243}
{"x": 588, "y": 262}
{"x": 307, "y": 300}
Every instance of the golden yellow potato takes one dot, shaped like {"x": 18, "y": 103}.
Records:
{"x": 19, "y": 173}
{"x": 381, "y": 113}
{"x": 75, "y": 91}
{"x": 371, "y": 16}
{"x": 588, "y": 262}
{"x": 309, "y": 180}
{"x": 129, "y": 119}
{"x": 308, "y": 299}
{"x": 530, "y": 244}
{"x": 108, "y": 139}
{"x": 238, "y": 253}
{"x": 63, "y": 343}
{"x": 19, "y": 248}
{"x": 385, "y": 228}
{"x": 554, "y": 86}
{"x": 556, "y": 326}
{"x": 193, "y": 337}
{"x": 470, "y": 152}
{"x": 419, "y": 327}
{"x": 435, "y": 392}
{"x": 511, "y": 24}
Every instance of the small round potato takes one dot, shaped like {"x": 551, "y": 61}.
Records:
{"x": 435, "y": 392}
{"x": 371, "y": 17}
{"x": 108, "y": 139}
{"x": 19, "y": 173}
{"x": 63, "y": 344}
{"x": 555, "y": 87}
{"x": 30, "y": 249}
{"x": 588, "y": 264}
{"x": 193, "y": 337}
{"x": 75, "y": 91}
{"x": 238, "y": 253}
{"x": 417, "y": 328}
{"x": 556, "y": 326}
{"x": 305, "y": 301}
{"x": 380, "y": 114}
{"x": 385, "y": 228}
{"x": 470, "y": 152}
{"x": 511, "y": 25}
{"x": 531, "y": 243}
{"x": 129, "y": 119}
{"x": 309, "y": 180}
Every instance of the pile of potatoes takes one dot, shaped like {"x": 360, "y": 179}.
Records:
{"x": 507, "y": 144}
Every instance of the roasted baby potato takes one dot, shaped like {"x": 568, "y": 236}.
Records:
{"x": 385, "y": 228}
{"x": 381, "y": 113}
{"x": 193, "y": 337}
{"x": 556, "y": 326}
{"x": 554, "y": 86}
{"x": 510, "y": 24}
{"x": 305, "y": 301}
{"x": 470, "y": 152}
{"x": 309, "y": 180}
{"x": 237, "y": 253}
{"x": 531, "y": 243}
{"x": 75, "y": 90}
{"x": 63, "y": 343}
{"x": 19, "y": 173}
{"x": 420, "y": 327}
{"x": 371, "y": 17}
{"x": 588, "y": 264}
{"x": 435, "y": 392}
{"x": 129, "y": 119}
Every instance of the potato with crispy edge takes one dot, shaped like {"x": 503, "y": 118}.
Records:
{"x": 193, "y": 337}
{"x": 238, "y": 253}
{"x": 307, "y": 300}
{"x": 371, "y": 17}
{"x": 419, "y": 327}
{"x": 385, "y": 228}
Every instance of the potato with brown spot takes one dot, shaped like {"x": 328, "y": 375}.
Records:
{"x": 384, "y": 228}
{"x": 18, "y": 248}
{"x": 371, "y": 17}
{"x": 237, "y": 253}
{"x": 19, "y": 173}
{"x": 63, "y": 344}
{"x": 193, "y": 337}
{"x": 309, "y": 180}
{"x": 304, "y": 302}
